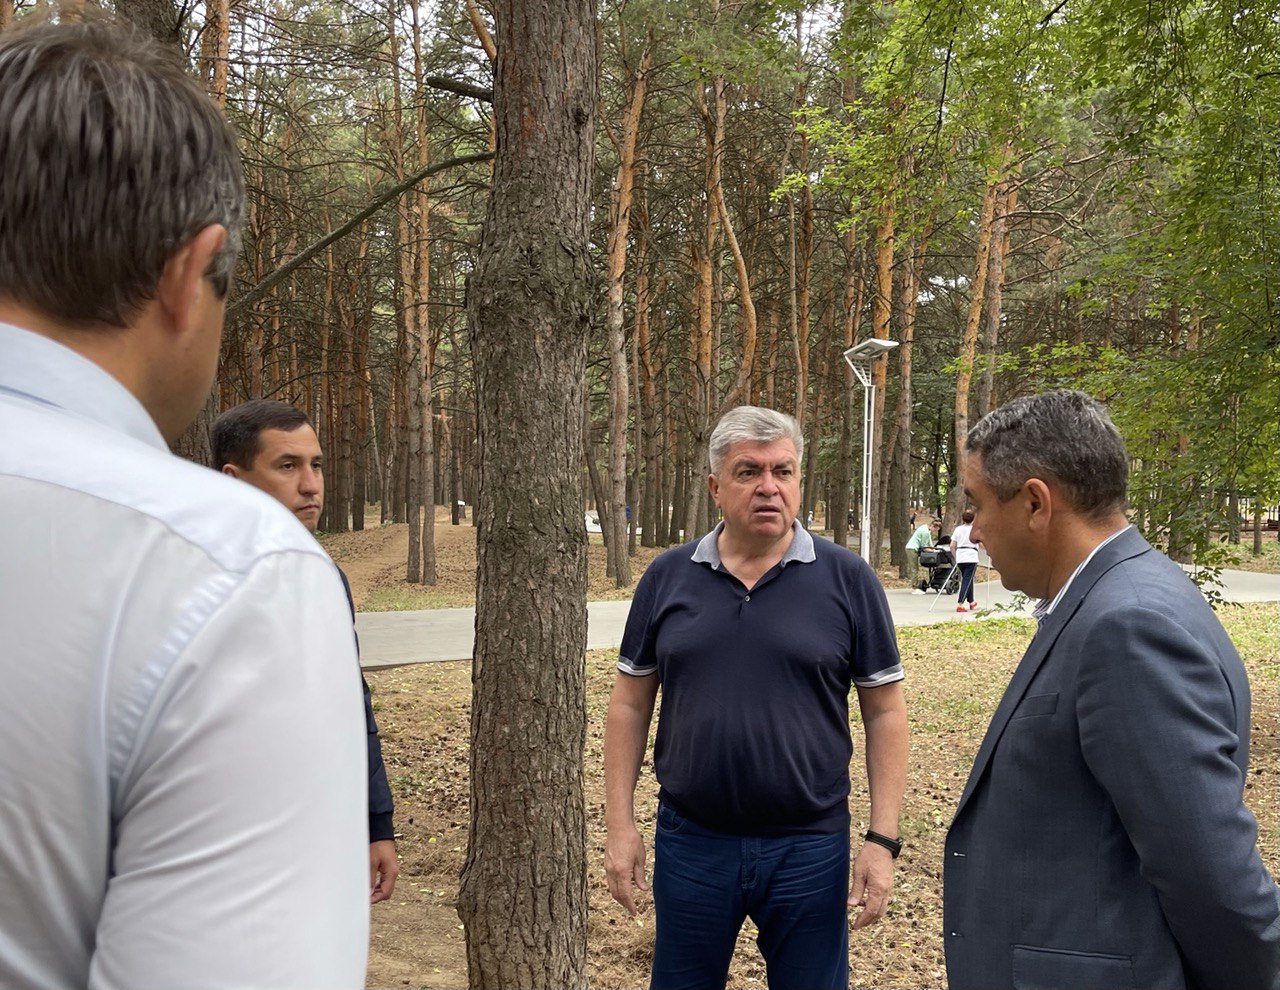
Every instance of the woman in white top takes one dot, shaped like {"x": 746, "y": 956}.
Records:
{"x": 965, "y": 552}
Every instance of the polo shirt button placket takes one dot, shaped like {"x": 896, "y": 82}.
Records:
{"x": 747, "y": 598}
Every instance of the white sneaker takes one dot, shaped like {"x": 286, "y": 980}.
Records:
{"x": 917, "y": 591}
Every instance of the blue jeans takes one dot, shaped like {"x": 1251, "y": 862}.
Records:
{"x": 794, "y": 887}
{"x": 966, "y": 582}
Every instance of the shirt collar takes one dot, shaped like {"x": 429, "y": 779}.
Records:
{"x": 36, "y": 368}
{"x": 801, "y": 549}
{"x": 1045, "y": 606}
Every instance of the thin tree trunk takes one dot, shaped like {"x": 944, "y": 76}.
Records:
{"x": 1006, "y": 203}
{"x": 651, "y": 514}
{"x": 968, "y": 346}
{"x": 853, "y": 284}
{"x": 881, "y": 308}
{"x": 423, "y": 423}
{"x": 619, "y": 386}
{"x": 523, "y": 897}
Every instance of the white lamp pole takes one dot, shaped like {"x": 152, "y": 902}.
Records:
{"x": 859, "y": 358}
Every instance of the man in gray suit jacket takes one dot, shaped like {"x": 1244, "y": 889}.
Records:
{"x": 1102, "y": 840}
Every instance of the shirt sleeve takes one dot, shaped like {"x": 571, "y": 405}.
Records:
{"x": 241, "y": 854}
{"x": 637, "y": 656}
{"x": 875, "y": 660}
{"x": 381, "y": 804}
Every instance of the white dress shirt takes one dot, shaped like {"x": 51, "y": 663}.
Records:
{"x": 1045, "y": 606}
{"x": 182, "y": 746}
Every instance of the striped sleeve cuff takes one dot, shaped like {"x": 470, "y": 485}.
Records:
{"x": 880, "y": 677}
{"x": 627, "y": 666}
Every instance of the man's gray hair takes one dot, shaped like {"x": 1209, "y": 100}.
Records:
{"x": 1065, "y": 436}
{"x": 111, "y": 158}
{"x": 753, "y": 424}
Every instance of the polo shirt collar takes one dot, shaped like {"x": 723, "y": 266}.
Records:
{"x": 800, "y": 551}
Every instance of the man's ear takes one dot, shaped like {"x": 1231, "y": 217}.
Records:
{"x": 713, "y": 486}
{"x": 231, "y": 469}
{"x": 182, "y": 282}
{"x": 1039, "y": 503}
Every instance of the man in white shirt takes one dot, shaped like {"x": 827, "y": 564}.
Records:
{"x": 182, "y": 766}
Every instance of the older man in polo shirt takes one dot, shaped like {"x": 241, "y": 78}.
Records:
{"x": 755, "y": 634}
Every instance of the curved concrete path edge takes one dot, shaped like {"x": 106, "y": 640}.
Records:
{"x": 390, "y": 639}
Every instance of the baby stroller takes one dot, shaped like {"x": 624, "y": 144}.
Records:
{"x": 944, "y": 576}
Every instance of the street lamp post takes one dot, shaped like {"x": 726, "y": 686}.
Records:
{"x": 859, "y": 358}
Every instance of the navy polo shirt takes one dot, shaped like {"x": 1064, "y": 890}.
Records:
{"x": 753, "y": 733}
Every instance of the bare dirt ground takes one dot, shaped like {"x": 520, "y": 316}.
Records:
{"x": 955, "y": 675}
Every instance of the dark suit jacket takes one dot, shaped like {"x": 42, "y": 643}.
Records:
{"x": 381, "y": 806}
{"x": 1101, "y": 840}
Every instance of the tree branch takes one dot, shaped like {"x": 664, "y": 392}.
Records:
{"x": 377, "y": 203}
{"x": 1044, "y": 21}
{"x": 459, "y": 87}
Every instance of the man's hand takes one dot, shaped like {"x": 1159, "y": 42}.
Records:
{"x": 872, "y": 883}
{"x": 383, "y": 869}
{"x": 623, "y": 864}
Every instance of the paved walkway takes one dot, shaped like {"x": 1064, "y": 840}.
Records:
{"x": 388, "y": 639}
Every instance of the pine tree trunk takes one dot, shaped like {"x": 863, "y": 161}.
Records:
{"x": 651, "y": 513}
{"x": 215, "y": 40}
{"x": 523, "y": 898}
{"x": 968, "y": 346}
{"x": 619, "y": 386}
{"x": 853, "y": 289}
{"x": 881, "y": 308}
{"x": 1006, "y": 203}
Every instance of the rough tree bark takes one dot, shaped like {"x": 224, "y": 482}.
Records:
{"x": 523, "y": 899}
{"x": 215, "y": 42}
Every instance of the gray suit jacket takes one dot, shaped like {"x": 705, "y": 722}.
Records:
{"x": 1101, "y": 840}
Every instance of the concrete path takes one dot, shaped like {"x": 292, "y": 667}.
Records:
{"x": 388, "y": 639}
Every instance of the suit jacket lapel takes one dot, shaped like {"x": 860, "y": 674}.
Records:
{"x": 1126, "y": 545}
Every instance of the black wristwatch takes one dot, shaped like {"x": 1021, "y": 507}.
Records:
{"x": 893, "y": 845}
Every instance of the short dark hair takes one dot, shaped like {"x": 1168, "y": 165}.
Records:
{"x": 112, "y": 158}
{"x": 237, "y": 433}
{"x": 966, "y": 516}
{"x": 1063, "y": 435}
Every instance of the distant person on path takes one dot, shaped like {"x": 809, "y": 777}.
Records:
{"x": 965, "y": 551}
{"x": 756, "y": 633}
{"x": 274, "y": 447}
{"x": 923, "y": 538}
{"x": 181, "y": 769}
{"x": 1102, "y": 840}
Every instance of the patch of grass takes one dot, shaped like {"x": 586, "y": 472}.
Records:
{"x": 410, "y": 597}
{"x": 1240, "y": 556}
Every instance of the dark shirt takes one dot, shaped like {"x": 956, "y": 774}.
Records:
{"x": 753, "y": 733}
{"x": 381, "y": 806}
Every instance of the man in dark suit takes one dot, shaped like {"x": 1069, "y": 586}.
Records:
{"x": 1102, "y": 840}
{"x": 274, "y": 447}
